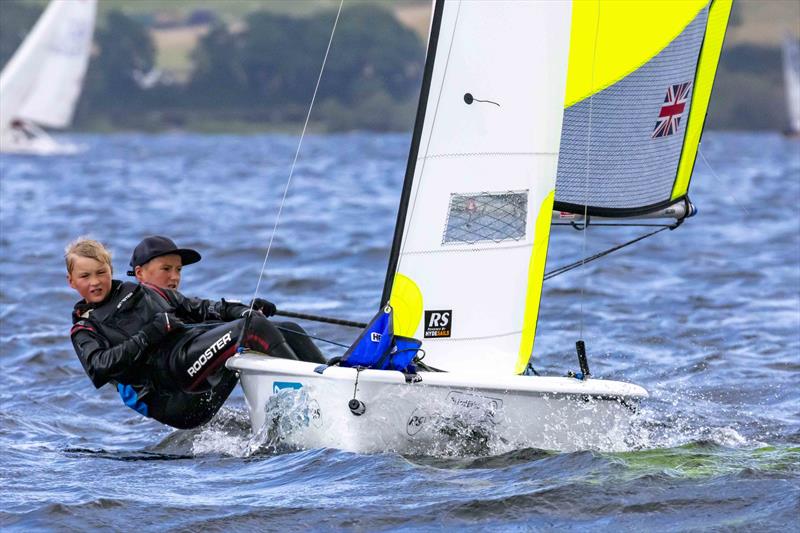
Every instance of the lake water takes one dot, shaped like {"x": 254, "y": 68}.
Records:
{"x": 706, "y": 317}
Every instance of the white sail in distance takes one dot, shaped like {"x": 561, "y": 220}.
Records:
{"x": 474, "y": 220}
{"x": 791, "y": 76}
{"x": 42, "y": 81}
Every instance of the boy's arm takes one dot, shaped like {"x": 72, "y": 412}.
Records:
{"x": 121, "y": 362}
{"x": 201, "y": 310}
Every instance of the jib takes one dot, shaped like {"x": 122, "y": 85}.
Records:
{"x": 209, "y": 354}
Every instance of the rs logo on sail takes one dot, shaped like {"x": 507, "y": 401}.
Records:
{"x": 438, "y": 323}
{"x": 209, "y": 354}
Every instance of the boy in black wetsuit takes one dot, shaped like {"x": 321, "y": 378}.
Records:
{"x": 158, "y": 261}
{"x": 165, "y": 353}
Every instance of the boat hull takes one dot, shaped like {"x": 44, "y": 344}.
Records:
{"x": 38, "y": 143}
{"x": 441, "y": 413}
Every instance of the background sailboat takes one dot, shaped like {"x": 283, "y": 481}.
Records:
{"x": 791, "y": 83}
{"x": 41, "y": 83}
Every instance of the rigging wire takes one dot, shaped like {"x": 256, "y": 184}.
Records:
{"x": 581, "y": 262}
{"x": 719, "y": 182}
{"x": 296, "y": 154}
{"x": 586, "y": 176}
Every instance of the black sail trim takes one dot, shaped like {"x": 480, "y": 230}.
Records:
{"x": 614, "y": 212}
{"x": 405, "y": 196}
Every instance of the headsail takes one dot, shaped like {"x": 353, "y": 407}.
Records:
{"x": 474, "y": 221}
{"x": 639, "y": 82}
{"x": 42, "y": 81}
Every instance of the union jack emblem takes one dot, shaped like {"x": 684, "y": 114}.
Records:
{"x": 669, "y": 118}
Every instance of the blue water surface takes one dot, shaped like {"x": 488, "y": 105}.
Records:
{"x": 707, "y": 317}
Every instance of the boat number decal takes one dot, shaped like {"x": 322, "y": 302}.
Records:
{"x": 438, "y": 323}
{"x": 416, "y": 421}
{"x": 278, "y": 385}
{"x": 315, "y": 413}
{"x": 488, "y": 405}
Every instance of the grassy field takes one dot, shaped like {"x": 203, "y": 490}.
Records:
{"x": 764, "y": 22}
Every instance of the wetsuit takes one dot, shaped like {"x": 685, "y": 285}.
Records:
{"x": 177, "y": 378}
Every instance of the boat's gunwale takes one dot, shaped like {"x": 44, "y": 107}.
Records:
{"x": 594, "y": 388}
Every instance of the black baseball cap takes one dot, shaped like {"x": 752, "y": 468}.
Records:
{"x": 156, "y": 246}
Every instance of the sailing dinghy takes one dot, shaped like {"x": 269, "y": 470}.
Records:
{"x": 41, "y": 83}
{"x": 791, "y": 84}
{"x": 496, "y": 146}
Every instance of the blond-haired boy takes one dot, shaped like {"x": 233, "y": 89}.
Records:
{"x": 153, "y": 344}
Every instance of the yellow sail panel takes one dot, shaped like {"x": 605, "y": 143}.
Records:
{"x": 704, "y": 80}
{"x": 406, "y": 300}
{"x": 601, "y": 50}
{"x": 541, "y": 240}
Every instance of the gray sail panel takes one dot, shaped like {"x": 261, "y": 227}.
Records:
{"x": 630, "y": 165}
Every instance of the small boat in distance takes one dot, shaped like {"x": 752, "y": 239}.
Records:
{"x": 791, "y": 84}
{"x": 41, "y": 83}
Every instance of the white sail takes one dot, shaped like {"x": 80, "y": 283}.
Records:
{"x": 42, "y": 81}
{"x": 477, "y": 220}
{"x": 791, "y": 76}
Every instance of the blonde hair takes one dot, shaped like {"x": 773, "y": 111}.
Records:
{"x": 86, "y": 247}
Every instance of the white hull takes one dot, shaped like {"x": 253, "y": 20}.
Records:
{"x": 442, "y": 413}
{"x": 34, "y": 142}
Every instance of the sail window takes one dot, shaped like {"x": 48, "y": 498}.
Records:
{"x": 486, "y": 217}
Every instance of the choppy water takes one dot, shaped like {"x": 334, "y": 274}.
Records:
{"x": 707, "y": 317}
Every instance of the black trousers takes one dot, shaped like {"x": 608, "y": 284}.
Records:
{"x": 187, "y": 410}
{"x": 194, "y": 382}
{"x": 194, "y": 363}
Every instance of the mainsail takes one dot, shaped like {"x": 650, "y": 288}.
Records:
{"x": 474, "y": 223}
{"x": 639, "y": 83}
{"x": 42, "y": 81}
{"x": 630, "y": 81}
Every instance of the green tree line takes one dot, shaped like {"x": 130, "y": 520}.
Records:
{"x": 262, "y": 75}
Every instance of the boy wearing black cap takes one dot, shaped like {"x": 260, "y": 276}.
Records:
{"x": 158, "y": 260}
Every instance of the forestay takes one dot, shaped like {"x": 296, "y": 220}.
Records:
{"x": 474, "y": 221}
{"x": 42, "y": 81}
{"x": 640, "y": 78}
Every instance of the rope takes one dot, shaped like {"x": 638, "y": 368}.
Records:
{"x": 296, "y": 154}
{"x": 312, "y": 336}
{"x": 317, "y": 318}
{"x": 581, "y": 262}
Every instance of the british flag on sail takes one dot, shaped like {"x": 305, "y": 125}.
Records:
{"x": 669, "y": 118}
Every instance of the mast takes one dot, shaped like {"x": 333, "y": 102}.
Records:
{"x": 411, "y": 165}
